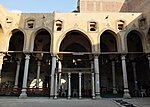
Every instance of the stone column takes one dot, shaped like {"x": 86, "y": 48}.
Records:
{"x": 38, "y": 73}
{"x": 69, "y": 85}
{"x": 1, "y": 63}
{"x": 17, "y": 73}
{"x": 52, "y": 76}
{"x": 114, "y": 77}
{"x": 97, "y": 81}
{"x": 149, "y": 61}
{"x": 56, "y": 86}
{"x": 80, "y": 85}
{"x": 125, "y": 80}
{"x": 93, "y": 87}
{"x": 135, "y": 78}
{"x": 25, "y": 77}
{"x": 59, "y": 71}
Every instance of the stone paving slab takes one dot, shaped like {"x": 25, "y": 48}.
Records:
{"x": 57, "y": 103}
{"x": 140, "y": 102}
{"x": 46, "y": 102}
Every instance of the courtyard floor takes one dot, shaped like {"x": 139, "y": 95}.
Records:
{"x": 46, "y": 102}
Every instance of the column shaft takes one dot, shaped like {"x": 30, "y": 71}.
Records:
{"x": 17, "y": 74}
{"x": 134, "y": 74}
{"x": 69, "y": 85}
{"x": 97, "y": 81}
{"x": 25, "y": 77}
{"x": 59, "y": 71}
{"x": 1, "y": 63}
{"x": 52, "y": 76}
{"x": 56, "y": 86}
{"x": 93, "y": 87}
{"x": 149, "y": 61}
{"x": 38, "y": 73}
{"x": 125, "y": 80}
{"x": 80, "y": 85}
{"x": 135, "y": 78}
{"x": 114, "y": 77}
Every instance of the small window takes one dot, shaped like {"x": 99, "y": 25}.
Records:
{"x": 30, "y": 24}
{"x": 58, "y": 25}
{"x": 120, "y": 25}
{"x": 8, "y": 22}
{"x": 93, "y": 26}
{"x": 142, "y": 23}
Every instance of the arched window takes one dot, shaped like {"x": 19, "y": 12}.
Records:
{"x": 120, "y": 25}
{"x": 92, "y": 26}
{"x": 58, "y": 25}
{"x": 30, "y": 23}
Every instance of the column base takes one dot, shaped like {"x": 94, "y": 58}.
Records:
{"x": 80, "y": 97}
{"x": 114, "y": 91}
{"x": 15, "y": 86}
{"x": 55, "y": 97}
{"x": 23, "y": 94}
{"x": 51, "y": 96}
{"x": 97, "y": 96}
{"x": 126, "y": 94}
{"x": 69, "y": 98}
{"x": 93, "y": 97}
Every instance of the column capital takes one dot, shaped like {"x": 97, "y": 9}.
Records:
{"x": 27, "y": 56}
{"x": 133, "y": 63}
{"x": 38, "y": 62}
{"x": 148, "y": 56}
{"x": 54, "y": 54}
{"x": 18, "y": 62}
{"x": 1, "y": 54}
{"x": 123, "y": 57}
{"x": 69, "y": 74}
{"x": 96, "y": 56}
{"x": 113, "y": 63}
{"x": 92, "y": 62}
{"x": 80, "y": 74}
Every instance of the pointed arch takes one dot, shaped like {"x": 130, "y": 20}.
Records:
{"x": 37, "y": 31}
{"x": 76, "y": 37}
{"x": 109, "y": 39}
{"x": 82, "y": 32}
{"x": 140, "y": 36}
{"x": 16, "y": 36}
{"x": 1, "y": 35}
{"x": 16, "y": 42}
{"x": 114, "y": 33}
{"x": 14, "y": 31}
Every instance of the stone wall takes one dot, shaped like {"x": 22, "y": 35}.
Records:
{"x": 114, "y": 6}
{"x": 139, "y": 5}
{"x": 103, "y": 5}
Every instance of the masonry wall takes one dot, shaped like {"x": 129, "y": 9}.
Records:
{"x": 139, "y": 5}
{"x": 114, "y": 6}
{"x": 103, "y": 5}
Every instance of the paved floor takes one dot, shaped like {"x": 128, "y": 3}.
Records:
{"x": 46, "y": 102}
{"x": 140, "y": 102}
